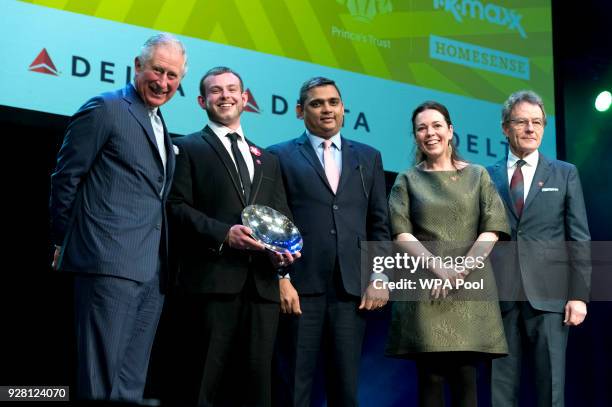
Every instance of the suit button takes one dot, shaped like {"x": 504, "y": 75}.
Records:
{"x": 335, "y": 207}
{"x": 160, "y": 179}
{"x": 333, "y": 231}
{"x": 158, "y": 226}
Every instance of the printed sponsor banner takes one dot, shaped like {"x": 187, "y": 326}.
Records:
{"x": 56, "y": 60}
{"x": 387, "y": 39}
{"x": 488, "y": 59}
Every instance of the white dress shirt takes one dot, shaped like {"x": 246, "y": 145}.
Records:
{"x": 222, "y": 132}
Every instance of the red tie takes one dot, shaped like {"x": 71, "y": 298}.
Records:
{"x": 517, "y": 188}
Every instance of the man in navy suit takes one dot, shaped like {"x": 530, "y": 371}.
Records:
{"x": 108, "y": 192}
{"x": 336, "y": 193}
{"x": 548, "y": 289}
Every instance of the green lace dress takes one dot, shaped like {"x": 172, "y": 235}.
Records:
{"x": 453, "y": 207}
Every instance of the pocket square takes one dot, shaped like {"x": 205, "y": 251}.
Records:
{"x": 550, "y": 189}
{"x": 175, "y": 149}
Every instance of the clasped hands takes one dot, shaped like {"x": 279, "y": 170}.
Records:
{"x": 241, "y": 237}
{"x": 448, "y": 276}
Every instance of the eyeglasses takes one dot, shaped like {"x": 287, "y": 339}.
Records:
{"x": 523, "y": 123}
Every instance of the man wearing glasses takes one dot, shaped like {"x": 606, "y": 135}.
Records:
{"x": 550, "y": 288}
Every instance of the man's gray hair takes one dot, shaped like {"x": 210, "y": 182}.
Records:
{"x": 514, "y": 99}
{"x": 159, "y": 40}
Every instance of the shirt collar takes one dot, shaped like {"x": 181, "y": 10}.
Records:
{"x": 316, "y": 140}
{"x": 530, "y": 159}
{"x": 221, "y": 131}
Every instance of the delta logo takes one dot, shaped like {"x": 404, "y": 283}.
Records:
{"x": 81, "y": 67}
{"x": 251, "y": 104}
{"x": 111, "y": 72}
{"x": 43, "y": 64}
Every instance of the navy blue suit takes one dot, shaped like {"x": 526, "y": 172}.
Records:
{"x": 328, "y": 276}
{"x": 544, "y": 271}
{"x": 108, "y": 215}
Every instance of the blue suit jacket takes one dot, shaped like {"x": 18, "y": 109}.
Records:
{"x": 106, "y": 208}
{"x": 551, "y": 271}
{"x": 333, "y": 226}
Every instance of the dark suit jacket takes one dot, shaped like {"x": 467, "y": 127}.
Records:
{"x": 552, "y": 271}
{"x": 106, "y": 208}
{"x": 205, "y": 202}
{"x": 333, "y": 226}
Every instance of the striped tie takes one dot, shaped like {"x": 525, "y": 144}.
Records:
{"x": 517, "y": 188}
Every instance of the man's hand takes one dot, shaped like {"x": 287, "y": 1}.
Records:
{"x": 283, "y": 259}
{"x": 575, "y": 312}
{"x": 239, "y": 237}
{"x": 56, "y": 256}
{"x": 374, "y": 298}
{"x": 289, "y": 298}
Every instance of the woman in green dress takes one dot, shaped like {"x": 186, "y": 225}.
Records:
{"x": 446, "y": 200}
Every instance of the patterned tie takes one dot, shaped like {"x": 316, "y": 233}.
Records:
{"x": 517, "y": 188}
{"x": 331, "y": 168}
{"x": 243, "y": 170}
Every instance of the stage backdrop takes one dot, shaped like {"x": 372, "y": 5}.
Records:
{"x": 387, "y": 56}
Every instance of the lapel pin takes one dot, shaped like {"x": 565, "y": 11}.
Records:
{"x": 258, "y": 162}
{"x": 255, "y": 151}
{"x": 540, "y": 184}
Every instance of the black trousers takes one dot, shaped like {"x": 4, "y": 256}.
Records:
{"x": 225, "y": 349}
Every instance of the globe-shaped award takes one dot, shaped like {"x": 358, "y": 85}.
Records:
{"x": 272, "y": 229}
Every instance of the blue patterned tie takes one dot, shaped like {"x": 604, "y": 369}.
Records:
{"x": 517, "y": 188}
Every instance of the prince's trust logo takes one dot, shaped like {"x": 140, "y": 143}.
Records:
{"x": 367, "y": 10}
{"x": 489, "y": 12}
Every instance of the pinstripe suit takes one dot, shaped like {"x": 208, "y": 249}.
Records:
{"x": 107, "y": 210}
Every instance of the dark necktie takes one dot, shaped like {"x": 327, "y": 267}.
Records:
{"x": 243, "y": 170}
{"x": 517, "y": 188}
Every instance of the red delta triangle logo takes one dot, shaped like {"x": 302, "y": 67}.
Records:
{"x": 251, "y": 104}
{"x": 43, "y": 64}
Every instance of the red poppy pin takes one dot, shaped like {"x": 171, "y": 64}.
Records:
{"x": 540, "y": 184}
{"x": 255, "y": 151}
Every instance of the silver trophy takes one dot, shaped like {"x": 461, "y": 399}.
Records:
{"x": 272, "y": 229}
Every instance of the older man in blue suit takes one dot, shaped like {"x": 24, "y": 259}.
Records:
{"x": 548, "y": 289}
{"x": 108, "y": 194}
{"x": 336, "y": 192}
